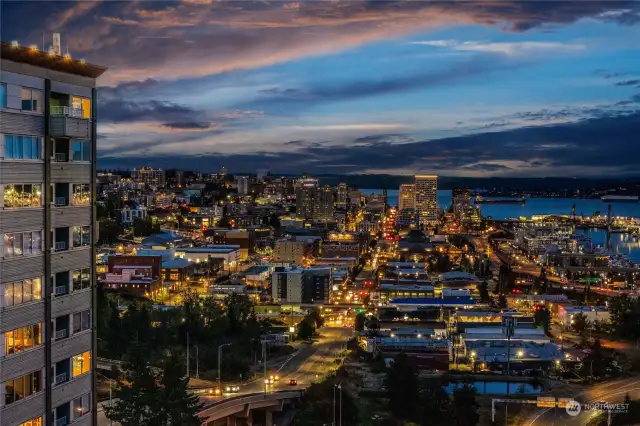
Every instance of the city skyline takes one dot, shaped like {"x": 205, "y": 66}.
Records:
{"x": 459, "y": 89}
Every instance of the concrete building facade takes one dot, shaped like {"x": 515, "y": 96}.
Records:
{"x": 47, "y": 200}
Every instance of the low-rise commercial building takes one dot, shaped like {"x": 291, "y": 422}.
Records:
{"x": 228, "y": 253}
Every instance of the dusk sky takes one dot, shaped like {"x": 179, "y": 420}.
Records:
{"x": 477, "y": 88}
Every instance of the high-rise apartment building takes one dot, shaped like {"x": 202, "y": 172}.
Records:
{"x": 313, "y": 201}
{"x": 149, "y": 176}
{"x": 426, "y": 199}
{"x": 47, "y": 238}
{"x": 407, "y": 196}
{"x": 242, "y": 183}
{"x": 460, "y": 200}
{"x": 342, "y": 193}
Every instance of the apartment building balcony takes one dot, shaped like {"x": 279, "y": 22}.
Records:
{"x": 61, "y": 284}
{"x": 68, "y": 122}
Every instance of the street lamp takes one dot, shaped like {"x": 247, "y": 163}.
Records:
{"x": 197, "y": 362}
{"x": 110, "y": 393}
{"x": 220, "y": 360}
{"x": 338, "y": 386}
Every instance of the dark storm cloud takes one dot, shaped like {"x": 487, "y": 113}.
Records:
{"x": 119, "y": 110}
{"x": 487, "y": 167}
{"x": 187, "y": 125}
{"x": 584, "y": 144}
{"x": 628, "y": 83}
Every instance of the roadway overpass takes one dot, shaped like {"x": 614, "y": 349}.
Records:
{"x": 248, "y": 410}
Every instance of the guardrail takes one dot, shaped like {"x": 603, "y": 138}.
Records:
{"x": 60, "y": 246}
{"x": 67, "y": 111}
{"x": 60, "y": 157}
{"x": 62, "y": 421}
{"x": 61, "y": 290}
{"x": 61, "y": 334}
{"x": 249, "y": 398}
{"x": 60, "y": 201}
{"x": 60, "y": 378}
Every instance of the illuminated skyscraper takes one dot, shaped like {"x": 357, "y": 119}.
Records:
{"x": 407, "y": 196}
{"x": 426, "y": 199}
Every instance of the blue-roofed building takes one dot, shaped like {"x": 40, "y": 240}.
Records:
{"x": 404, "y": 304}
{"x": 177, "y": 271}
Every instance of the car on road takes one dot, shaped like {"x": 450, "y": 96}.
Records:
{"x": 232, "y": 389}
{"x": 293, "y": 382}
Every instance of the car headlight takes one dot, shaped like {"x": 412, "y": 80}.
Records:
{"x": 227, "y": 389}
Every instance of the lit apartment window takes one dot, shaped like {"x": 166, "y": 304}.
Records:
{"x": 3, "y": 95}
{"x": 21, "y": 147}
{"x": 81, "y": 194}
{"x": 81, "y": 279}
{"x": 81, "y": 150}
{"x": 22, "y": 195}
{"x": 20, "y": 292}
{"x": 36, "y": 421}
{"x": 22, "y": 387}
{"x": 81, "y": 364}
{"x": 22, "y": 243}
{"x": 32, "y": 99}
{"x": 82, "y": 104}
{"x": 22, "y": 339}
{"x": 81, "y": 321}
{"x": 81, "y": 236}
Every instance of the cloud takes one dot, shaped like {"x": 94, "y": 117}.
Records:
{"x": 120, "y": 110}
{"x": 520, "y": 49}
{"x": 189, "y": 125}
{"x": 487, "y": 167}
{"x": 579, "y": 149}
{"x": 475, "y": 66}
{"x": 173, "y": 40}
{"x": 628, "y": 83}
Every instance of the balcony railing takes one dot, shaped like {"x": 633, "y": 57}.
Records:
{"x": 60, "y": 201}
{"x": 67, "y": 111}
{"x": 60, "y": 378}
{"x": 62, "y": 421}
{"x": 62, "y": 334}
{"x": 60, "y": 245}
{"x": 60, "y": 157}
{"x": 61, "y": 290}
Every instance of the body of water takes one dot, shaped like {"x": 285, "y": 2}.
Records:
{"x": 620, "y": 243}
{"x": 498, "y": 388}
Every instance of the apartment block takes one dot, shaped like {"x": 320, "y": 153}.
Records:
{"x": 47, "y": 242}
{"x": 426, "y": 199}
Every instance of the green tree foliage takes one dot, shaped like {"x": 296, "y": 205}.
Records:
{"x": 464, "y": 408}
{"x": 484, "y": 292}
{"x": 108, "y": 231}
{"x": 542, "y": 318}
{"x": 137, "y": 402}
{"x": 145, "y": 227}
{"x": 358, "y": 323}
{"x": 318, "y": 405}
{"x": 625, "y": 316}
{"x": 402, "y": 385}
{"x": 306, "y": 329}
{"x": 434, "y": 403}
{"x": 274, "y": 221}
{"x": 580, "y": 324}
{"x": 179, "y": 407}
{"x": 502, "y": 301}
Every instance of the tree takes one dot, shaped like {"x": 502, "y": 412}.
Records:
{"x": 179, "y": 407}
{"x": 145, "y": 227}
{"x": 502, "y": 301}
{"x": 401, "y": 383}
{"x": 434, "y": 403}
{"x": 358, "y": 323}
{"x": 224, "y": 222}
{"x": 484, "y": 293}
{"x": 317, "y": 409}
{"x": 274, "y": 221}
{"x": 136, "y": 395}
{"x": 580, "y": 323}
{"x": 464, "y": 406}
{"x": 305, "y": 329}
{"x": 239, "y": 308}
{"x": 542, "y": 318}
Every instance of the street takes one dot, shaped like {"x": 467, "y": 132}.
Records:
{"x": 309, "y": 364}
{"x": 610, "y": 392}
